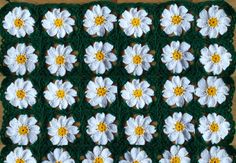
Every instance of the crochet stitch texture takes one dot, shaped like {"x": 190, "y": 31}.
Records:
{"x": 81, "y": 74}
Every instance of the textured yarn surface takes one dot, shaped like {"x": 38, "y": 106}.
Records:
{"x": 81, "y": 111}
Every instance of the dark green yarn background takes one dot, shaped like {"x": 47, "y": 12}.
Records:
{"x": 81, "y": 111}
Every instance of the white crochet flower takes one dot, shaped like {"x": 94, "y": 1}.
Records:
{"x": 137, "y": 59}
{"x": 98, "y": 155}
{"x": 21, "y": 59}
{"x": 215, "y": 155}
{"x": 178, "y": 91}
{"x": 213, "y": 128}
{"x": 20, "y": 155}
{"x": 139, "y": 130}
{"x": 62, "y": 130}
{"x": 99, "y": 57}
{"x": 101, "y": 128}
{"x": 19, "y": 22}
{"x": 213, "y": 22}
{"x": 211, "y": 91}
{"x": 176, "y": 56}
{"x": 136, "y": 155}
{"x": 21, "y": 93}
{"x": 60, "y": 94}
{"x": 101, "y": 92}
{"x": 99, "y": 20}
{"x": 135, "y": 22}
{"x": 59, "y": 156}
{"x": 60, "y": 59}
{"x": 178, "y": 127}
{"x": 23, "y": 130}
{"x": 58, "y": 23}
{"x": 176, "y": 19}
{"x": 137, "y": 94}
{"x": 215, "y": 59}
{"x": 176, "y": 154}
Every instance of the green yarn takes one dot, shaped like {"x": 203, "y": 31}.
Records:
{"x": 81, "y": 111}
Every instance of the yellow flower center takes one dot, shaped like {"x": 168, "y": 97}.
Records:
{"x": 213, "y": 22}
{"x": 58, "y": 162}
{"x": 177, "y": 55}
{"x": 62, "y": 131}
{"x": 138, "y": 93}
{"x": 60, "y": 93}
{"x": 60, "y": 60}
{"x": 137, "y": 59}
{"x": 98, "y": 160}
{"x": 179, "y": 126}
{"x": 139, "y": 130}
{"x": 135, "y": 161}
{"x": 20, "y": 160}
{"x": 19, "y": 22}
{"x": 179, "y": 91}
{"x": 23, "y": 130}
{"x": 102, "y": 127}
{"x": 136, "y": 22}
{"x": 215, "y": 58}
{"x": 20, "y": 94}
{"x": 176, "y": 19}
{"x": 21, "y": 59}
{"x": 100, "y": 55}
{"x": 214, "y": 160}
{"x": 99, "y": 20}
{"x": 102, "y": 91}
{"x": 211, "y": 91}
{"x": 175, "y": 159}
{"x": 58, "y": 22}
{"x": 214, "y": 127}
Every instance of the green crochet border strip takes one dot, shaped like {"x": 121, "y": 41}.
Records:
{"x": 81, "y": 74}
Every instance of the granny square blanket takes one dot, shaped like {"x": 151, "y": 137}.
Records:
{"x": 124, "y": 83}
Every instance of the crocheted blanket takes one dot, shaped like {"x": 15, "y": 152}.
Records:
{"x": 128, "y": 83}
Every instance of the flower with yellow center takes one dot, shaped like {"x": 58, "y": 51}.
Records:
{"x": 215, "y": 154}
{"x": 213, "y": 22}
{"x": 23, "y": 130}
{"x": 135, "y": 22}
{"x": 215, "y": 59}
{"x": 20, "y": 155}
{"x": 137, "y": 93}
{"x": 213, "y": 128}
{"x": 58, "y": 22}
{"x": 100, "y": 57}
{"x": 101, "y": 128}
{"x": 211, "y": 91}
{"x": 101, "y": 92}
{"x": 99, "y": 154}
{"x": 60, "y": 94}
{"x": 139, "y": 130}
{"x": 19, "y": 22}
{"x": 178, "y": 127}
{"x": 62, "y": 130}
{"x": 176, "y": 20}
{"x": 21, "y": 93}
{"x": 178, "y": 91}
{"x": 177, "y": 56}
{"x": 176, "y": 154}
{"x": 99, "y": 20}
